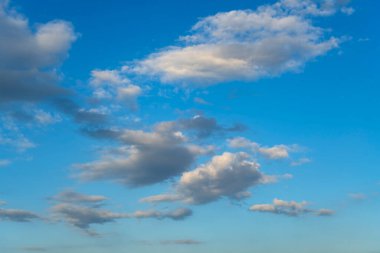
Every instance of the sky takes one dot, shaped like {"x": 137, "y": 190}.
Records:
{"x": 189, "y": 126}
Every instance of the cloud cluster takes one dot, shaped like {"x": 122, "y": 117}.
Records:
{"x": 289, "y": 208}
{"x": 145, "y": 157}
{"x": 244, "y": 45}
{"x": 28, "y": 58}
{"x": 83, "y": 211}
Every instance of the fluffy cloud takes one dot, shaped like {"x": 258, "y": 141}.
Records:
{"x": 226, "y": 175}
{"x": 289, "y": 208}
{"x": 244, "y": 45}
{"x": 28, "y": 58}
{"x": 275, "y": 152}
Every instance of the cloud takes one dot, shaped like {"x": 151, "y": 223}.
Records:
{"x": 275, "y": 152}
{"x": 177, "y": 214}
{"x": 73, "y": 197}
{"x": 29, "y": 58}
{"x": 181, "y": 242}
{"x": 300, "y": 161}
{"x": 244, "y": 45}
{"x": 83, "y": 217}
{"x": 289, "y": 208}
{"x": 203, "y": 126}
{"x": 145, "y": 158}
{"x": 80, "y": 115}
{"x": 4, "y": 162}
{"x": 358, "y": 196}
{"x": 111, "y": 84}
{"x": 16, "y": 215}
{"x": 226, "y": 175}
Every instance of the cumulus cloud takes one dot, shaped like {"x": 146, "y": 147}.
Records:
{"x": 177, "y": 214}
{"x": 28, "y": 58}
{"x": 244, "y": 45}
{"x": 226, "y": 175}
{"x": 275, "y": 152}
{"x": 289, "y": 208}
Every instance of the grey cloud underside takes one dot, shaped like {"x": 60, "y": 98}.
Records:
{"x": 83, "y": 217}
{"x": 70, "y": 196}
{"x": 80, "y": 115}
{"x": 181, "y": 242}
{"x": 16, "y": 215}
{"x": 177, "y": 214}
{"x": 28, "y": 58}
{"x": 83, "y": 211}
{"x": 144, "y": 165}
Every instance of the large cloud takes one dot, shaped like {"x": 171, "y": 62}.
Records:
{"x": 28, "y": 58}
{"x": 226, "y": 175}
{"x": 244, "y": 45}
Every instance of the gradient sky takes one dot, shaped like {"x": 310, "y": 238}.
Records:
{"x": 189, "y": 126}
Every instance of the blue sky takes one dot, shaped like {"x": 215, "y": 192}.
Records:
{"x": 177, "y": 126}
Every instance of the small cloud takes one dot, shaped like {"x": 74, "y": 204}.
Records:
{"x": 4, "y": 162}
{"x": 181, "y": 242}
{"x": 289, "y": 208}
{"x": 300, "y": 161}
{"x": 358, "y": 196}
{"x": 201, "y": 101}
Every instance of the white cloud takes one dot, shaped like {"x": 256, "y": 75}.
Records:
{"x": 112, "y": 84}
{"x": 244, "y": 45}
{"x": 275, "y": 152}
